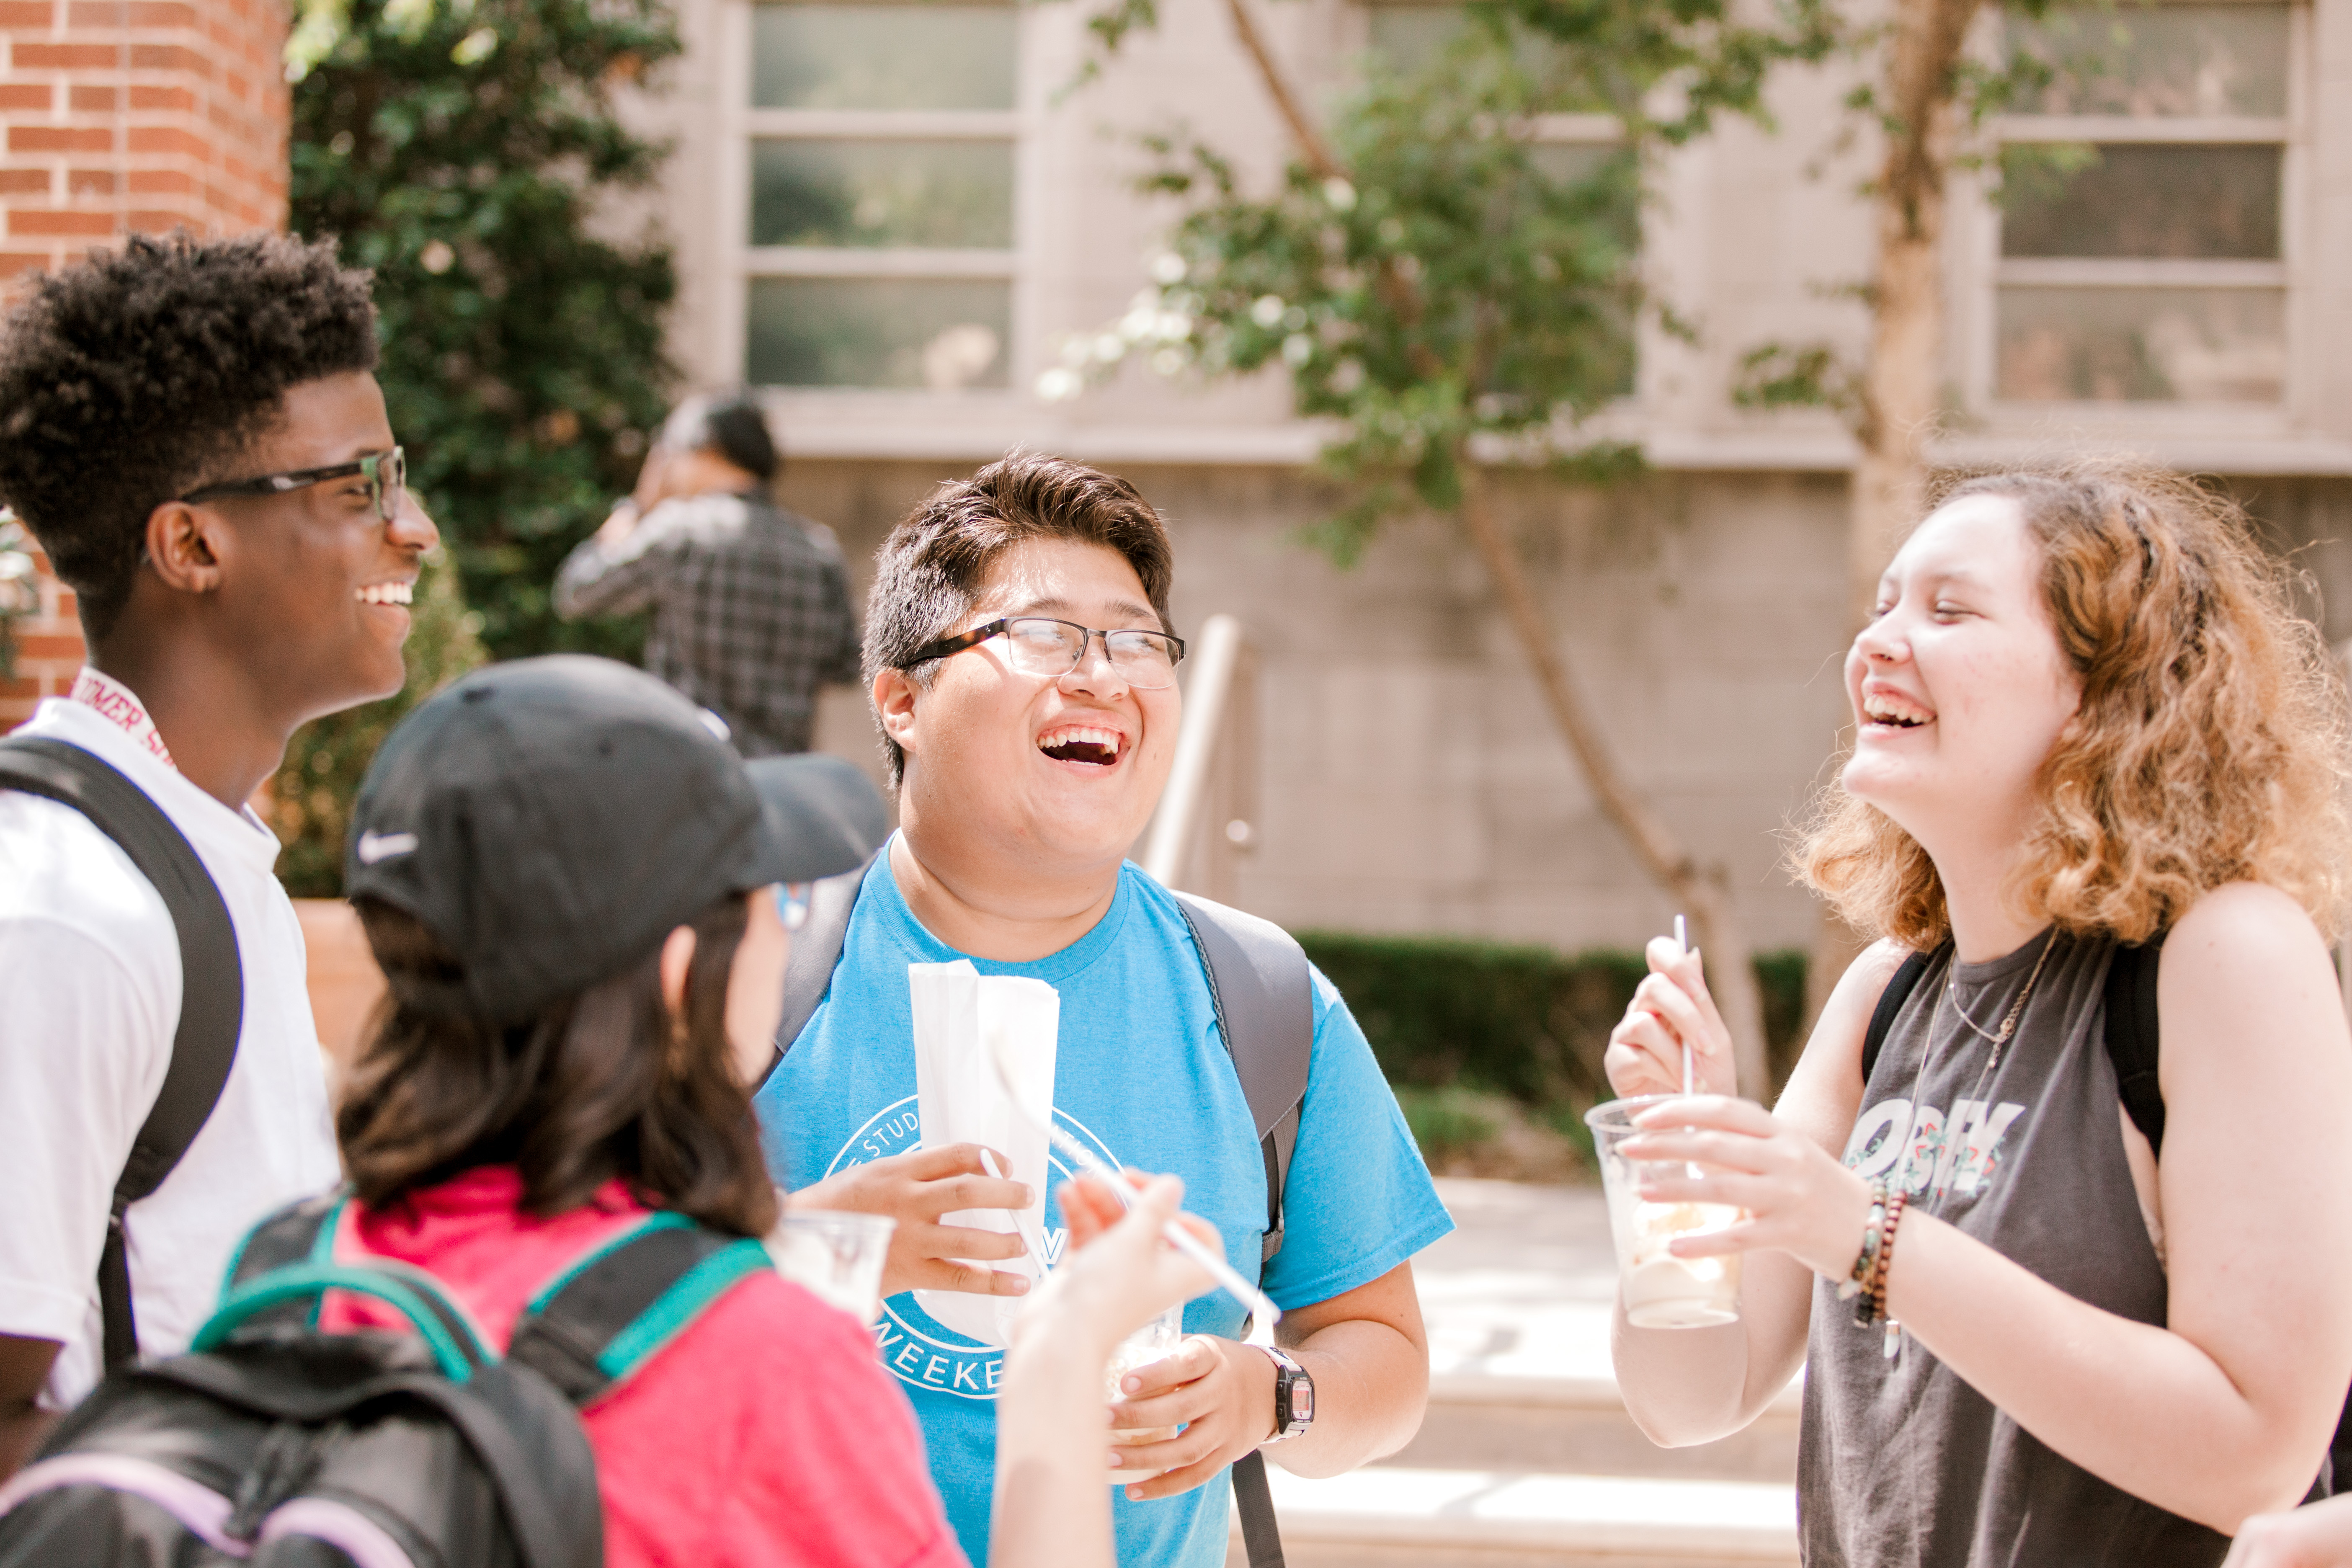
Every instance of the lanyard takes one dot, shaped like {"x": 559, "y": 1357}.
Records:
{"x": 113, "y": 701}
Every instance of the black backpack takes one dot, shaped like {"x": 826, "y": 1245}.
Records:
{"x": 212, "y": 988}
{"x": 274, "y": 1445}
{"x": 1264, "y": 1002}
{"x": 2132, "y": 1044}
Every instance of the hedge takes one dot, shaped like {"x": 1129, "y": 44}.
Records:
{"x": 1525, "y": 1021}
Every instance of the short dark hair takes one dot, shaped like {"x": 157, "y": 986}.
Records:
{"x": 602, "y": 1084}
{"x": 139, "y": 374}
{"x": 929, "y": 570}
{"x": 731, "y": 423}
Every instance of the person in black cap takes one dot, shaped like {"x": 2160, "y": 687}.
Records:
{"x": 580, "y": 897}
{"x": 750, "y": 604}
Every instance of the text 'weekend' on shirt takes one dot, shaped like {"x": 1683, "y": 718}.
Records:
{"x": 90, "y": 961}
{"x": 1141, "y": 1079}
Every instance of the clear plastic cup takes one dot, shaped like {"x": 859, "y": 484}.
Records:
{"x": 835, "y": 1255}
{"x": 1661, "y": 1291}
{"x": 1155, "y": 1339}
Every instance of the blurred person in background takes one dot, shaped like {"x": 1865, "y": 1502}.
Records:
{"x": 750, "y": 604}
{"x": 2045, "y": 1317}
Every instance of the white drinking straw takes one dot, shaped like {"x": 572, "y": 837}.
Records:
{"x": 1264, "y": 1313}
{"x": 1682, "y": 946}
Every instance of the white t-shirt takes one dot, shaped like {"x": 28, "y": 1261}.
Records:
{"x": 90, "y": 997}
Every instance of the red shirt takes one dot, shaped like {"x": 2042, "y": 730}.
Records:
{"x": 765, "y": 1433}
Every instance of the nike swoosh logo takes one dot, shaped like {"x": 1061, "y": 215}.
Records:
{"x": 375, "y": 846}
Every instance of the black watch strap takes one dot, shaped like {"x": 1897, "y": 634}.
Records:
{"x": 1294, "y": 1396}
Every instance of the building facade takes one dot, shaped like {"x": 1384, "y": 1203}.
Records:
{"x": 902, "y": 217}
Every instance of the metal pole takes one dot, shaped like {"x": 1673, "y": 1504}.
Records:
{"x": 1179, "y": 818}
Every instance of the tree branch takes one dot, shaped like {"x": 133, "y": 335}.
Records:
{"x": 1303, "y": 130}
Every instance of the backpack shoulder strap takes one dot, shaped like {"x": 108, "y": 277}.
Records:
{"x": 816, "y": 948}
{"x": 1264, "y": 1002}
{"x": 212, "y": 985}
{"x": 612, "y": 1309}
{"x": 2131, "y": 1037}
{"x": 1898, "y": 991}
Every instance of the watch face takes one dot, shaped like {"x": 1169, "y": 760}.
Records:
{"x": 1302, "y": 1400}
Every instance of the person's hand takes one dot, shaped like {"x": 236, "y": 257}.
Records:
{"x": 2319, "y": 1536}
{"x": 622, "y": 523}
{"x": 653, "y": 479}
{"x": 915, "y": 1190}
{"x": 1799, "y": 1199}
{"x": 1670, "y": 1008}
{"x": 1120, "y": 1273}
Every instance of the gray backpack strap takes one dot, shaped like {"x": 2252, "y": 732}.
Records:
{"x": 816, "y": 948}
{"x": 1265, "y": 1013}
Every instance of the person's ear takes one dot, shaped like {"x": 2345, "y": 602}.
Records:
{"x": 676, "y": 960}
{"x": 894, "y": 705}
{"x": 185, "y": 544}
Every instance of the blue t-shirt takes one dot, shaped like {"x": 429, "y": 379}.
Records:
{"x": 1141, "y": 1077}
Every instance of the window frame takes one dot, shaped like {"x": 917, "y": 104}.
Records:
{"x": 1978, "y": 226}
{"x": 743, "y": 264}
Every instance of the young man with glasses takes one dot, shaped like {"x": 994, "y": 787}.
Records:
{"x": 1022, "y": 668}
{"x": 193, "y": 432}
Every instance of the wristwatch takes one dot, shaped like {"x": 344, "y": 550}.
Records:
{"x": 1294, "y": 1398}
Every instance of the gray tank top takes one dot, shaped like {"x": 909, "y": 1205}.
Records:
{"x": 1900, "y": 1462}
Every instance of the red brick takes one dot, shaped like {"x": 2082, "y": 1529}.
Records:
{"x": 86, "y": 100}
{"x": 27, "y": 57}
{"x": 90, "y": 182}
{"x": 168, "y": 100}
{"x": 33, "y": 96}
{"x": 64, "y": 647}
{"x": 171, "y": 140}
{"x": 24, "y": 182}
{"x": 160, "y": 222}
{"x": 15, "y": 263}
{"x": 59, "y": 139}
{"x": 94, "y": 14}
{"x": 160, "y": 182}
{"x": 27, "y": 14}
{"x": 171, "y": 58}
{"x": 159, "y": 13}
{"x": 28, "y": 221}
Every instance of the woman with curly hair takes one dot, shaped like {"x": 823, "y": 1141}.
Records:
{"x": 2045, "y": 1318}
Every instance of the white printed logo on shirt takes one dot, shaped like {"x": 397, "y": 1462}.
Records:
{"x": 917, "y": 1350}
{"x": 1920, "y": 1150}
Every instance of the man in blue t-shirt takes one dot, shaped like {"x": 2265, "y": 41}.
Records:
{"x": 1029, "y": 746}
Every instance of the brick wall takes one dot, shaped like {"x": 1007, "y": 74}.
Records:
{"x": 128, "y": 117}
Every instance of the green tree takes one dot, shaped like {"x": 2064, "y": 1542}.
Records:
{"x": 1451, "y": 293}
{"x": 462, "y": 149}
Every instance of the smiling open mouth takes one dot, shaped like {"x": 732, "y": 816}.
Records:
{"x": 1893, "y": 713}
{"x": 1081, "y": 744}
{"x": 387, "y": 594}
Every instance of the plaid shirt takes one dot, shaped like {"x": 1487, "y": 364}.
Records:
{"x": 750, "y": 609}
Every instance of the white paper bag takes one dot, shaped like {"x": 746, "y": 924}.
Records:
{"x": 960, "y": 1018}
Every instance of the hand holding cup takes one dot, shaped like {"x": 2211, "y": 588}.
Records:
{"x": 1670, "y": 1009}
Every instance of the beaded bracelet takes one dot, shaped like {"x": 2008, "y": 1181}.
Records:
{"x": 1894, "y": 1207}
{"x": 1866, "y": 1262}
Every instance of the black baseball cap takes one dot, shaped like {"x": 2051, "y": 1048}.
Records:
{"x": 550, "y": 820}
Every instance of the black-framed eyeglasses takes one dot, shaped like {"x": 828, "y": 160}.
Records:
{"x": 385, "y": 472}
{"x": 1040, "y": 645}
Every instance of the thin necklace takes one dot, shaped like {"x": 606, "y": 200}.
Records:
{"x": 1984, "y": 1074}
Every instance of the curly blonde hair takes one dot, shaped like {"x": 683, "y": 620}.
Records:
{"x": 2209, "y": 746}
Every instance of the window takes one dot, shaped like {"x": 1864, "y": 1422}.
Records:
{"x": 2144, "y": 221}
{"x": 1569, "y": 148}
{"x": 879, "y": 243}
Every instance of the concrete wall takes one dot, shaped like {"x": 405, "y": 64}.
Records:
{"x": 1407, "y": 776}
